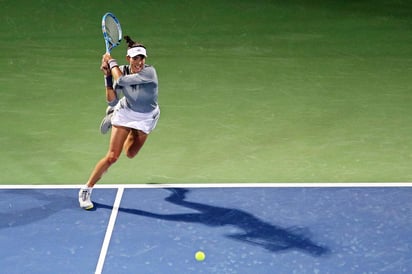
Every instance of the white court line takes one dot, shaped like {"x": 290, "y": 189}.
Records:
{"x": 219, "y": 185}
{"x": 109, "y": 231}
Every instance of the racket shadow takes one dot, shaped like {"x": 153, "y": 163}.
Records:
{"x": 254, "y": 231}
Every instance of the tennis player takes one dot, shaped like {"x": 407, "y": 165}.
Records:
{"x": 132, "y": 116}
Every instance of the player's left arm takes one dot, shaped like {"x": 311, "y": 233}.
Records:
{"x": 145, "y": 76}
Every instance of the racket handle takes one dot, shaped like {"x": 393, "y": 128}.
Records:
{"x": 107, "y": 46}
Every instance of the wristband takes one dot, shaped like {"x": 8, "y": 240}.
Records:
{"x": 108, "y": 81}
{"x": 112, "y": 63}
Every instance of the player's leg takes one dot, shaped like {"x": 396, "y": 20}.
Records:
{"x": 134, "y": 142}
{"x": 118, "y": 137}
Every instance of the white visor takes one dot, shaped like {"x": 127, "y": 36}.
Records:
{"x": 136, "y": 51}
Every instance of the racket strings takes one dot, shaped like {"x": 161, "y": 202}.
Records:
{"x": 112, "y": 30}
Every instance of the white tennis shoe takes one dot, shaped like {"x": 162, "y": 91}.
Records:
{"x": 106, "y": 123}
{"x": 85, "y": 198}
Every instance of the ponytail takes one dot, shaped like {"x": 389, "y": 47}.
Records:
{"x": 131, "y": 43}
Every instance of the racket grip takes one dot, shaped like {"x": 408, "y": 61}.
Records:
{"x": 108, "y": 81}
{"x": 112, "y": 63}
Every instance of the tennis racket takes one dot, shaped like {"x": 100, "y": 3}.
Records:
{"x": 112, "y": 31}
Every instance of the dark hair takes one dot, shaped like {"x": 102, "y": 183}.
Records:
{"x": 131, "y": 43}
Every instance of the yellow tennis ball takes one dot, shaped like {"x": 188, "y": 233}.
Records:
{"x": 200, "y": 256}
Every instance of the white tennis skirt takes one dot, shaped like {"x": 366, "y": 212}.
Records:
{"x": 125, "y": 117}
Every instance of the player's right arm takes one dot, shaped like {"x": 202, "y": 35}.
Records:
{"x": 111, "y": 96}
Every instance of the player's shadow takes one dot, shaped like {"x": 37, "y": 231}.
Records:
{"x": 254, "y": 231}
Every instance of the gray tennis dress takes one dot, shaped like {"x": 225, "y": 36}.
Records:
{"x": 138, "y": 108}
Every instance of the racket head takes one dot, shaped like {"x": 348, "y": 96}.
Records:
{"x": 112, "y": 31}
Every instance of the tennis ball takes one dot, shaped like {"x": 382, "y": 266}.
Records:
{"x": 200, "y": 256}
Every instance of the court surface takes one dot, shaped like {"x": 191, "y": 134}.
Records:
{"x": 259, "y": 228}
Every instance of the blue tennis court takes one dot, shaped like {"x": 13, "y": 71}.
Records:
{"x": 272, "y": 228}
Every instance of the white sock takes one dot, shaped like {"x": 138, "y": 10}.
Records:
{"x": 89, "y": 189}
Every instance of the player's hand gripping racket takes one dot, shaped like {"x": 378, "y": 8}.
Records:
{"x": 112, "y": 32}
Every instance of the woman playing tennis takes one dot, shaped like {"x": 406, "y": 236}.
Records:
{"x": 131, "y": 117}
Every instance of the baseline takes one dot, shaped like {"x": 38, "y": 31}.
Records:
{"x": 219, "y": 185}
